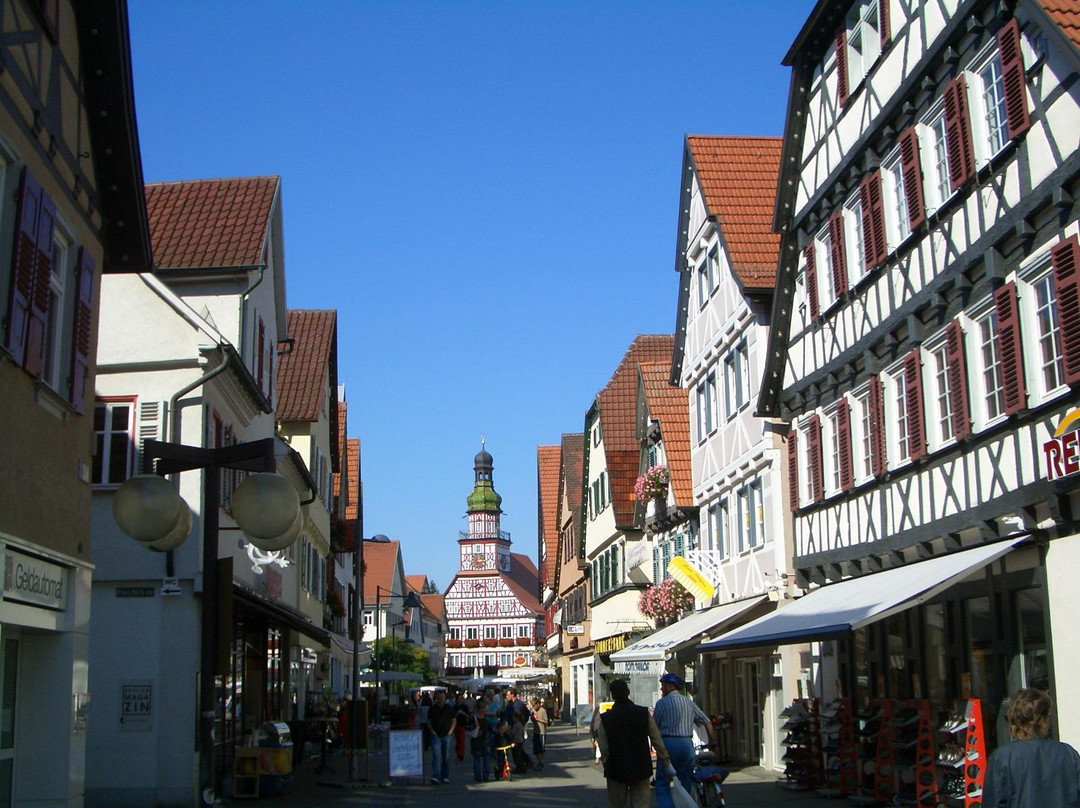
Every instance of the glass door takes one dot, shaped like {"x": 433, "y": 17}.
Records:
{"x": 748, "y": 709}
{"x": 9, "y": 670}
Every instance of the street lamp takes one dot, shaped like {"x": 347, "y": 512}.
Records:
{"x": 411, "y": 601}
{"x": 266, "y": 507}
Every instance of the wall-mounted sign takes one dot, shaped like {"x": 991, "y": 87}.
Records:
{"x": 34, "y": 580}
{"x": 1061, "y": 453}
{"x": 609, "y": 645}
{"x": 574, "y": 628}
{"x": 136, "y": 705}
{"x": 643, "y": 667}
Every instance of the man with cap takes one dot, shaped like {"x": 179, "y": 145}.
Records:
{"x": 676, "y": 715}
{"x": 623, "y": 738}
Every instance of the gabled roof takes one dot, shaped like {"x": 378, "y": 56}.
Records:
{"x": 671, "y": 407}
{"x": 573, "y": 455}
{"x": 382, "y": 559}
{"x": 523, "y": 581}
{"x": 1066, "y": 13}
{"x": 617, "y": 404}
{"x": 304, "y": 371}
{"x": 738, "y": 177}
{"x": 205, "y": 224}
{"x": 548, "y": 462}
{"x": 435, "y": 606}
{"x": 415, "y": 583}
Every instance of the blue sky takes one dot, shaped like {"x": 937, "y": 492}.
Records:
{"x": 486, "y": 192}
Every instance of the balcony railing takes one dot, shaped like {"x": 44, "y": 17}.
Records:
{"x": 708, "y": 562}
{"x": 484, "y": 534}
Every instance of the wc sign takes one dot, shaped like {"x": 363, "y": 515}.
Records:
{"x": 1061, "y": 454}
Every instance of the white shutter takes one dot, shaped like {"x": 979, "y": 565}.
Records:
{"x": 150, "y": 426}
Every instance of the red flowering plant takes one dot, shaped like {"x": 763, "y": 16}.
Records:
{"x": 665, "y": 601}
{"x": 653, "y": 484}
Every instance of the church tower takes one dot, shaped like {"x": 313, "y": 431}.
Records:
{"x": 486, "y": 547}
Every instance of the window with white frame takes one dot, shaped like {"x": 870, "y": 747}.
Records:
{"x": 1049, "y": 360}
{"x": 825, "y": 270}
{"x": 991, "y": 398}
{"x": 736, "y": 379}
{"x": 455, "y": 631}
{"x": 716, "y": 527}
{"x": 705, "y": 283}
{"x": 472, "y": 633}
{"x": 991, "y": 126}
{"x": 855, "y": 239}
{"x": 506, "y": 660}
{"x": 507, "y": 632}
{"x": 523, "y": 632}
{"x": 114, "y": 430}
{"x": 939, "y": 418}
{"x": 897, "y": 436}
{"x": 59, "y": 308}
{"x": 806, "y": 476}
{"x": 935, "y": 160}
{"x": 862, "y": 40}
{"x": 862, "y": 436}
{"x": 706, "y": 396}
{"x": 897, "y": 222}
{"x": 830, "y": 440}
{"x": 751, "y": 515}
{"x": 713, "y": 261}
{"x": 490, "y": 632}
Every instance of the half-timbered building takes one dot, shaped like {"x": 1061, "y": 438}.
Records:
{"x": 926, "y": 349}
{"x": 493, "y": 615}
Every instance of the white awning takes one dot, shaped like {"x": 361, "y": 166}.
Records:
{"x": 686, "y": 631}
{"x": 341, "y": 648}
{"x": 856, "y": 602}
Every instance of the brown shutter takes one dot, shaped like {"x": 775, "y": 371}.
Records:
{"x": 1012, "y": 360}
{"x": 814, "y": 456}
{"x": 842, "y": 89}
{"x": 883, "y": 19}
{"x": 84, "y": 320}
{"x": 843, "y": 444}
{"x": 958, "y": 133}
{"x": 878, "y": 462}
{"x": 793, "y": 468}
{"x": 839, "y": 254}
{"x": 810, "y": 253}
{"x": 875, "y": 245}
{"x": 1014, "y": 79}
{"x": 957, "y": 375}
{"x": 1065, "y": 260}
{"x": 36, "y": 337}
{"x": 23, "y": 263}
{"x": 914, "y": 401}
{"x": 911, "y": 167}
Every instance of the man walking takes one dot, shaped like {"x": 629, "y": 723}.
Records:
{"x": 623, "y": 737}
{"x": 441, "y": 721}
{"x": 675, "y": 715}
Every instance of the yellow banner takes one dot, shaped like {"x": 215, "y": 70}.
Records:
{"x": 690, "y": 576}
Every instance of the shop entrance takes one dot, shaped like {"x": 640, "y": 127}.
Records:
{"x": 748, "y": 709}
{"x": 9, "y": 675}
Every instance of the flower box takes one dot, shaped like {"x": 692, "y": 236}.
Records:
{"x": 492, "y": 643}
{"x": 471, "y": 643}
{"x": 453, "y": 643}
{"x": 653, "y": 484}
{"x": 507, "y": 642}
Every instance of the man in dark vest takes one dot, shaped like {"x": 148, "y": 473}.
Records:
{"x": 623, "y": 737}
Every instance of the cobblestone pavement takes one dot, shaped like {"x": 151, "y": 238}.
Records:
{"x": 570, "y": 779}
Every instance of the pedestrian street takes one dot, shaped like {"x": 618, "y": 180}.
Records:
{"x": 570, "y": 779}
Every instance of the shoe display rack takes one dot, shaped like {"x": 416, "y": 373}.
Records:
{"x": 963, "y": 760}
{"x": 839, "y": 750}
{"x": 803, "y": 765}
{"x": 873, "y": 757}
{"x": 913, "y": 755}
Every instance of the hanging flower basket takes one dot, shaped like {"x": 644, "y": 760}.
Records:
{"x": 653, "y": 484}
{"x": 665, "y": 601}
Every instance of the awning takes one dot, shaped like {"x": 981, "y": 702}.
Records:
{"x": 279, "y": 614}
{"x": 686, "y": 631}
{"x": 392, "y": 676}
{"x": 341, "y": 649}
{"x": 856, "y": 602}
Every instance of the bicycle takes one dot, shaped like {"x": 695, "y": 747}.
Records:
{"x": 507, "y": 754}
{"x": 708, "y": 780}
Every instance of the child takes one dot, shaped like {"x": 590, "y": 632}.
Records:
{"x": 479, "y": 732}
{"x": 522, "y": 762}
{"x": 504, "y": 745}
{"x": 539, "y": 732}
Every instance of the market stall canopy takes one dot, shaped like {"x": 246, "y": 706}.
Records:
{"x": 685, "y": 632}
{"x": 341, "y": 649}
{"x": 841, "y": 607}
{"x": 530, "y": 675}
{"x": 392, "y": 676}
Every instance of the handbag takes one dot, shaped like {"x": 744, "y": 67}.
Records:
{"x": 680, "y": 797}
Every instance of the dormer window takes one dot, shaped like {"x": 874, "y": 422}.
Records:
{"x": 859, "y": 43}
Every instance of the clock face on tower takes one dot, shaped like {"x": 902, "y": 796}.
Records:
{"x": 478, "y": 561}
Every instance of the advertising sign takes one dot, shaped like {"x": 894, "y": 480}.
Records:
{"x": 34, "y": 580}
{"x": 406, "y": 753}
{"x": 1061, "y": 453}
{"x": 643, "y": 667}
{"x": 136, "y": 705}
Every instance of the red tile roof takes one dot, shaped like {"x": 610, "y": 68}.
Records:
{"x": 303, "y": 371}
{"x": 1066, "y": 13}
{"x": 352, "y": 460}
{"x": 617, "y": 403}
{"x": 548, "y": 462}
{"x": 210, "y": 223}
{"x": 523, "y": 581}
{"x": 573, "y": 454}
{"x": 435, "y": 606}
{"x": 381, "y": 561}
{"x": 738, "y": 176}
{"x": 342, "y": 428}
{"x": 671, "y": 407}
{"x": 416, "y": 583}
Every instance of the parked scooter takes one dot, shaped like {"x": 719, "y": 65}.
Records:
{"x": 708, "y": 779}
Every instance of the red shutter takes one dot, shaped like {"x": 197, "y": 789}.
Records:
{"x": 36, "y": 337}
{"x": 875, "y": 244}
{"x": 1012, "y": 361}
{"x": 815, "y": 459}
{"x": 911, "y": 167}
{"x": 841, "y": 67}
{"x": 958, "y": 133}
{"x": 793, "y": 468}
{"x": 839, "y": 254}
{"x": 914, "y": 399}
{"x": 1065, "y": 260}
{"x": 84, "y": 320}
{"x": 810, "y": 253}
{"x": 843, "y": 444}
{"x": 883, "y": 19}
{"x": 1013, "y": 79}
{"x": 23, "y": 262}
{"x": 878, "y": 464}
{"x": 957, "y": 375}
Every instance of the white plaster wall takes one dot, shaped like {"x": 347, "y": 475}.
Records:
{"x": 1062, "y": 569}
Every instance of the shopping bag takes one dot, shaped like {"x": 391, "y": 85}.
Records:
{"x": 680, "y": 798}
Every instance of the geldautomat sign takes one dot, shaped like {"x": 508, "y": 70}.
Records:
{"x": 34, "y": 580}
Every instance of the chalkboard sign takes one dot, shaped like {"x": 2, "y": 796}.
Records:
{"x": 406, "y": 753}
